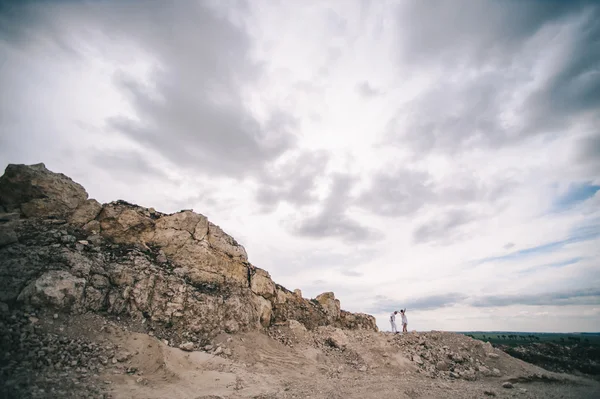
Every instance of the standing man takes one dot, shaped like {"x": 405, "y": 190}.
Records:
{"x": 393, "y": 322}
{"x": 404, "y": 320}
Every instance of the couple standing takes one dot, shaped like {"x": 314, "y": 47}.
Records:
{"x": 404, "y": 321}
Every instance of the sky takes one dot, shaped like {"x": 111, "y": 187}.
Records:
{"x": 439, "y": 156}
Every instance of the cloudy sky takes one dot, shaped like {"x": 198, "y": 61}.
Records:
{"x": 442, "y": 156}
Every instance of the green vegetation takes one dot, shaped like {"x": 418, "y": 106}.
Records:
{"x": 522, "y": 338}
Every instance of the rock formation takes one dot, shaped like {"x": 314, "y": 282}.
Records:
{"x": 177, "y": 275}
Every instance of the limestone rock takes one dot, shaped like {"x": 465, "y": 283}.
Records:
{"x": 492, "y": 355}
{"x": 188, "y": 346}
{"x": 38, "y": 192}
{"x": 261, "y": 284}
{"x": 298, "y": 293}
{"x": 337, "y": 338}
{"x": 296, "y": 326}
{"x": 56, "y": 288}
{"x": 223, "y": 242}
{"x": 85, "y": 213}
{"x": 417, "y": 359}
{"x": 330, "y": 304}
{"x": 264, "y": 311}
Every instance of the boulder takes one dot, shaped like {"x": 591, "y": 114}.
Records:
{"x": 38, "y": 192}
{"x": 298, "y": 293}
{"x": 261, "y": 284}
{"x": 336, "y": 338}
{"x": 296, "y": 326}
{"x": 56, "y": 288}
{"x": 329, "y": 304}
{"x": 187, "y": 346}
{"x": 85, "y": 213}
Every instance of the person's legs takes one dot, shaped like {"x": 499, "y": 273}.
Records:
{"x": 404, "y": 329}
{"x": 394, "y": 328}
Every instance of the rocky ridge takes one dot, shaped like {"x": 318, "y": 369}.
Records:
{"x": 178, "y": 272}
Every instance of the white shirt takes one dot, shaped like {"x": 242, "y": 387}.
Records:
{"x": 393, "y": 318}
{"x": 404, "y": 321}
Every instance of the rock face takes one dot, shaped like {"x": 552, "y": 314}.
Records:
{"x": 177, "y": 274}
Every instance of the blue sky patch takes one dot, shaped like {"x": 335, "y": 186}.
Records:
{"x": 576, "y": 194}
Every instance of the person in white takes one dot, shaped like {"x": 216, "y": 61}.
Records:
{"x": 393, "y": 321}
{"x": 404, "y": 320}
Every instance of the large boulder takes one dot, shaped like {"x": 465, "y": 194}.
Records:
{"x": 261, "y": 284}
{"x": 330, "y": 304}
{"x": 85, "y": 213}
{"x": 56, "y": 288}
{"x": 37, "y": 192}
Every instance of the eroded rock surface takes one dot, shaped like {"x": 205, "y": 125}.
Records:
{"x": 178, "y": 275}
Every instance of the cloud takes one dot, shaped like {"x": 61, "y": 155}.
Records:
{"x": 444, "y": 227}
{"x": 588, "y": 296}
{"x": 293, "y": 180}
{"x": 332, "y": 220}
{"x": 397, "y": 192}
{"x": 478, "y": 100}
{"x": 366, "y": 90}
{"x": 128, "y": 165}
{"x": 384, "y": 304}
{"x": 509, "y": 245}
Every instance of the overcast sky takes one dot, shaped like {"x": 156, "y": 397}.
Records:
{"x": 442, "y": 156}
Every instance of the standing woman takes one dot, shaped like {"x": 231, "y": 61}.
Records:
{"x": 404, "y": 320}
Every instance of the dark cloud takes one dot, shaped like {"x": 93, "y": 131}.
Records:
{"x": 127, "y": 165}
{"x": 589, "y": 296}
{"x": 332, "y": 220}
{"x": 443, "y": 228}
{"x": 488, "y": 57}
{"x": 293, "y": 180}
{"x": 366, "y": 90}
{"x": 191, "y": 107}
{"x": 483, "y": 32}
{"x": 383, "y": 304}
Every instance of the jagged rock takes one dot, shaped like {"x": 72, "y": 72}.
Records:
{"x": 298, "y": 292}
{"x": 507, "y": 385}
{"x": 337, "y": 338}
{"x": 330, "y": 304}
{"x": 261, "y": 284}
{"x": 55, "y": 288}
{"x": 225, "y": 243}
{"x": 417, "y": 359}
{"x": 85, "y": 213}
{"x": 37, "y": 192}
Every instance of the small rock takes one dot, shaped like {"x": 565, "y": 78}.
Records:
{"x": 362, "y": 368}
{"x": 68, "y": 239}
{"x": 493, "y": 355}
{"x": 417, "y": 359}
{"x": 218, "y": 351}
{"x": 489, "y": 393}
{"x": 208, "y": 348}
{"x": 123, "y": 356}
{"x": 83, "y": 242}
{"x": 188, "y": 346}
{"x": 507, "y": 385}
{"x": 496, "y": 372}
{"x": 523, "y": 390}
{"x": 55, "y": 316}
{"x": 114, "y": 360}
{"x": 227, "y": 351}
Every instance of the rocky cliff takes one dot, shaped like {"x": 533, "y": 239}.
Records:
{"x": 177, "y": 275}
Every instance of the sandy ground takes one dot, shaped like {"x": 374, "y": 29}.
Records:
{"x": 261, "y": 367}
